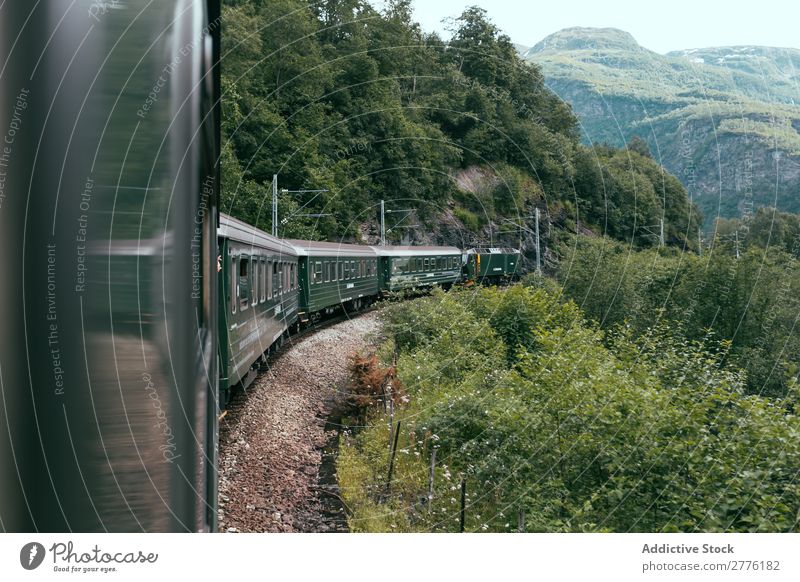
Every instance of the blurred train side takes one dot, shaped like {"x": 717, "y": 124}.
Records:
{"x": 108, "y": 247}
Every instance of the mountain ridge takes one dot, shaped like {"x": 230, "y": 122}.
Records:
{"x": 724, "y": 120}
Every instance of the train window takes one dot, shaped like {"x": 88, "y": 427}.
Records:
{"x": 327, "y": 271}
{"x": 287, "y": 282}
{"x": 234, "y": 284}
{"x": 425, "y": 263}
{"x": 269, "y": 279}
{"x": 284, "y": 276}
{"x": 244, "y": 282}
{"x": 317, "y": 272}
{"x": 346, "y": 270}
{"x": 294, "y": 275}
{"x": 255, "y": 281}
{"x": 263, "y": 282}
{"x": 277, "y": 277}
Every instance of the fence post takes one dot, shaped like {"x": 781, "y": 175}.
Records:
{"x": 391, "y": 420}
{"x": 391, "y": 458}
{"x": 463, "y": 503}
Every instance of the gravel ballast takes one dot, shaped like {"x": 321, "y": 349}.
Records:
{"x": 271, "y": 440}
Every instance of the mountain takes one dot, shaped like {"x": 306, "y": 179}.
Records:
{"x": 724, "y": 120}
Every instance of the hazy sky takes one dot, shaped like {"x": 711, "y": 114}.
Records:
{"x": 660, "y": 26}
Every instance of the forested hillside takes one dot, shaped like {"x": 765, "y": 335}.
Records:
{"x": 337, "y": 96}
{"x": 724, "y": 120}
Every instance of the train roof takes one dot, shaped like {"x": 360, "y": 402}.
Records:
{"x": 414, "y": 251}
{"x": 493, "y": 251}
{"x": 234, "y": 229}
{"x": 316, "y": 248}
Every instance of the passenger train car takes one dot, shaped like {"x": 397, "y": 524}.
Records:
{"x": 333, "y": 276}
{"x": 403, "y": 268}
{"x": 259, "y": 283}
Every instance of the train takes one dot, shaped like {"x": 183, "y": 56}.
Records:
{"x": 131, "y": 306}
{"x": 272, "y": 286}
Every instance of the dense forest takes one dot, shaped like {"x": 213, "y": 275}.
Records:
{"x": 744, "y": 289}
{"x": 363, "y": 104}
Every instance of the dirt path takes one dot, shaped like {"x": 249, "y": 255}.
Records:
{"x": 272, "y": 440}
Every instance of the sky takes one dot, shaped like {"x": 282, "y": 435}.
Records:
{"x": 659, "y": 26}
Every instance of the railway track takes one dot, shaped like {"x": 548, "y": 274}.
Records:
{"x": 277, "y": 444}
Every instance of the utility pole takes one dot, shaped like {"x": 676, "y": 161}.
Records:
{"x": 661, "y": 233}
{"x": 383, "y": 224}
{"x": 275, "y": 205}
{"x": 737, "y": 244}
{"x": 538, "y": 248}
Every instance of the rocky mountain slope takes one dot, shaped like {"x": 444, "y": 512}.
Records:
{"x": 724, "y": 120}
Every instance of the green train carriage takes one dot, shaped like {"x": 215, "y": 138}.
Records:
{"x": 414, "y": 267}
{"x": 334, "y": 276}
{"x": 258, "y": 299}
